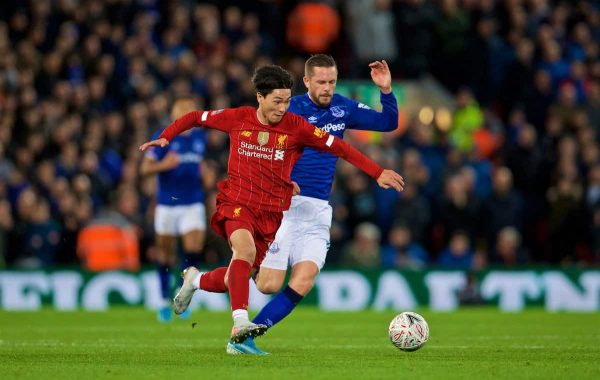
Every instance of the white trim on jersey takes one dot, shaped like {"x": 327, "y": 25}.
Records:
{"x": 330, "y": 140}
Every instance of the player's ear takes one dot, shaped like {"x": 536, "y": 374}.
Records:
{"x": 259, "y": 97}
{"x": 306, "y": 81}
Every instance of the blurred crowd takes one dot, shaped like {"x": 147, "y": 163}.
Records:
{"x": 514, "y": 179}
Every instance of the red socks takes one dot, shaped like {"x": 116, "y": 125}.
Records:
{"x": 214, "y": 281}
{"x": 239, "y": 288}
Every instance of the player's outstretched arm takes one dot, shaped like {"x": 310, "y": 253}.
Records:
{"x": 389, "y": 178}
{"x": 319, "y": 139}
{"x": 381, "y": 76}
{"x": 365, "y": 118}
{"x": 177, "y": 127}
{"x": 160, "y": 142}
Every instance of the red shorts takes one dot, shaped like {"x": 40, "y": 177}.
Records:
{"x": 262, "y": 224}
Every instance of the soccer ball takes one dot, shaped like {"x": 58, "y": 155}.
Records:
{"x": 408, "y": 331}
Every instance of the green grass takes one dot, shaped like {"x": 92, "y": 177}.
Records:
{"x": 128, "y": 343}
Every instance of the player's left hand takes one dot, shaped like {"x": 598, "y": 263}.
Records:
{"x": 162, "y": 142}
{"x": 296, "y": 188}
{"x": 380, "y": 73}
{"x": 389, "y": 178}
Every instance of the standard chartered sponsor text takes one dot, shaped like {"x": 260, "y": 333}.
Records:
{"x": 255, "y": 151}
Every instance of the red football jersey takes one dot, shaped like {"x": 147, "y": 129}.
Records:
{"x": 261, "y": 157}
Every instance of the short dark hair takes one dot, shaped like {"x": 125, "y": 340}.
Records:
{"x": 271, "y": 77}
{"x": 318, "y": 60}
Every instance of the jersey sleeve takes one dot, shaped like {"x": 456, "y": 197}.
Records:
{"x": 364, "y": 118}
{"x": 219, "y": 119}
{"x": 314, "y": 137}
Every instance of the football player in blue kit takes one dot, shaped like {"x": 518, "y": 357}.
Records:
{"x": 180, "y": 211}
{"x": 303, "y": 238}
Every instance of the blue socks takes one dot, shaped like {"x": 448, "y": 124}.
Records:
{"x": 279, "y": 307}
{"x": 164, "y": 277}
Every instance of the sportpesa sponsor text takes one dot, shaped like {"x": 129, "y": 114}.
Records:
{"x": 330, "y": 127}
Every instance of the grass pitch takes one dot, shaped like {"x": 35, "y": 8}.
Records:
{"x": 128, "y": 343}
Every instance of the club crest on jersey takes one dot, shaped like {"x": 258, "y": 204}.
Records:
{"x": 312, "y": 119}
{"x": 273, "y": 248}
{"x": 319, "y": 132}
{"x": 236, "y": 212}
{"x": 263, "y": 138}
{"x": 281, "y": 141}
{"x": 337, "y": 111}
{"x": 247, "y": 133}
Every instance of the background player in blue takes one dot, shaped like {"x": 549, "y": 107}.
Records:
{"x": 302, "y": 240}
{"x": 180, "y": 208}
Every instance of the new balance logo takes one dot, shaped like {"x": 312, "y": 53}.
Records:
{"x": 279, "y": 155}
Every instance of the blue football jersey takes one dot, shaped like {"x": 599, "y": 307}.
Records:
{"x": 181, "y": 185}
{"x": 314, "y": 171}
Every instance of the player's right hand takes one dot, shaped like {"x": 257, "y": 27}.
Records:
{"x": 389, "y": 178}
{"x": 162, "y": 142}
{"x": 296, "y": 188}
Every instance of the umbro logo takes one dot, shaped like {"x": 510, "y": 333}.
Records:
{"x": 312, "y": 119}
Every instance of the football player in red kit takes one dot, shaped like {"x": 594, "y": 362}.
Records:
{"x": 265, "y": 142}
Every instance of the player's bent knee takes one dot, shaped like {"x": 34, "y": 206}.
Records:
{"x": 269, "y": 281}
{"x": 303, "y": 285}
{"x": 268, "y": 285}
{"x": 303, "y": 277}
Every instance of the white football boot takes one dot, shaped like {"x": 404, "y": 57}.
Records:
{"x": 184, "y": 296}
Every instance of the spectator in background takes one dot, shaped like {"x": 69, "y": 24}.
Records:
{"x": 364, "y": 250}
{"x": 415, "y": 20}
{"x": 467, "y": 120}
{"x": 110, "y": 241}
{"x": 6, "y": 225}
{"x": 402, "y": 251}
{"x": 313, "y": 26}
{"x": 414, "y": 212}
{"x": 459, "y": 210}
{"x": 565, "y": 218}
{"x": 508, "y": 250}
{"x": 592, "y": 106}
{"x": 518, "y": 76}
{"x": 42, "y": 237}
{"x": 458, "y": 254}
{"x": 450, "y": 44}
{"x": 504, "y": 207}
{"x": 371, "y": 27}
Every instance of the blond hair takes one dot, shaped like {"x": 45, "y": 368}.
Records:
{"x": 182, "y": 106}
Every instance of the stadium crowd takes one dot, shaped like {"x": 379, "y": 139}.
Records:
{"x": 514, "y": 180}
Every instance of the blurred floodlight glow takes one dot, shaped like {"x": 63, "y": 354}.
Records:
{"x": 443, "y": 119}
{"x": 426, "y": 115}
